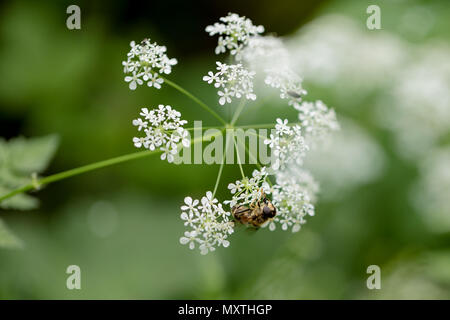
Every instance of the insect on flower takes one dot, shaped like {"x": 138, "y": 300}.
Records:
{"x": 257, "y": 214}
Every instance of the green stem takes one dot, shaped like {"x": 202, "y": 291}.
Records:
{"x": 195, "y": 99}
{"x": 257, "y": 126}
{"x": 203, "y": 128}
{"x": 257, "y": 135}
{"x": 238, "y": 111}
{"x": 113, "y": 161}
{"x": 90, "y": 167}
{"x": 263, "y": 126}
{"x": 252, "y": 157}
{"x": 238, "y": 158}
{"x": 224, "y": 156}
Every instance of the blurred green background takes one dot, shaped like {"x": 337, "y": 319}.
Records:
{"x": 121, "y": 224}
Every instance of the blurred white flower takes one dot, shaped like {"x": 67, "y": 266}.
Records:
{"x": 145, "y": 62}
{"x": 234, "y": 33}
{"x": 262, "y": 51}
{"x": 316, "y": 120}
{"x": 208, "y": 222}
{"x": 163, "y": 129}
{"x": 356, "y": 160}
{"x": 288, "y": 82}
{"x": 232, "y": 81}
{"x": 326, "y": 53}
{"x": 418, "y": 103}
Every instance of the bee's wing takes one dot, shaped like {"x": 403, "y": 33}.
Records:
{"x": 240, "y": 210}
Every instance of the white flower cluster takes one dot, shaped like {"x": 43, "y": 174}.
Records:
{"x": 209, "y": 223}
{"x": 288, "y": 145}
{"x": 233, "y": 80}
{"x": 163, "y": 129}
{"x": 294, "y": 191}
{"x": 146, "y": 61}
{"x": 288, "y": 82}
{"x": 247, "y": 191}
{"x": 262, "y": 51}
{"x": 293, "y": 195}
{"x": 235, "y": 32}
{"x": 316, "y": 119}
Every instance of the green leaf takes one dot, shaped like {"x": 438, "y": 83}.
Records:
{"x": 8, "y": 239}
{"x": 20, "y": 158}
{"x": 18, "y": 202}
{"x": 28, "y": 156}
{"x": 10, "y": 180}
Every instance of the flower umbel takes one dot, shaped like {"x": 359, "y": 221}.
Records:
{"x": 208, "y": 222}
{"x": 293, "y": 196}
{"x": 288, "y": 82}
{"x": 163, "y": 129}
{"x": 316, "y": 119}
{"x": 288, "y": 145}
{"x": 232, "y": 81}
{"x": 146, "y": 61}
{"x": 234, "y": 33}
{"x": 248, "y": 190}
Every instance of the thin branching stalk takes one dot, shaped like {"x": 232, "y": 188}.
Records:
{"x": 224, "y": 156}
{"x": 38, "y": 183}
{"x": 195, "y": 99}
{"x": 238, "y": 158}
{"x": 238, "y": 111}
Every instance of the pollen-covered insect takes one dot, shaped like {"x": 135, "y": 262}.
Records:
{"x": 256, "y": 214}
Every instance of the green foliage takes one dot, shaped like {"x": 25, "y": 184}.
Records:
{"x": 20, "y": 159}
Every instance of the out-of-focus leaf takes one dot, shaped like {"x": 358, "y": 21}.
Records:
{"x": 19, "y": 202}
{"x": 8, "y": 239}
{"x": 19, "y": 159}
{"x": 8, "y": 179}
{"x": 31, "y": 155}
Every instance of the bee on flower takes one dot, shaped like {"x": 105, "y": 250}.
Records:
{"x": 282, "y": 195}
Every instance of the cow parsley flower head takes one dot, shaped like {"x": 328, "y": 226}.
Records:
{"x": 248, "y": 190}
{"x": 288, "y": 82}
{"x": 208, "y": 223}
{"x": 232, "y": 81}
{"x": 293, "y": 195}
{"x": 316, "y": 119}
{"x": 163, "y": 129}
{"x": 145, "y": 63}
{"x": 287, "y": 144}
{"x": 234, "y": 33}
{"x": 262, "y": 51}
